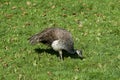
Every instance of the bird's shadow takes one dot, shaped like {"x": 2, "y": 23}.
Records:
{"x": 52, "y": 52}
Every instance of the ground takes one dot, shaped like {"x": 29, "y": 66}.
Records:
{"x": 94, "y": 25}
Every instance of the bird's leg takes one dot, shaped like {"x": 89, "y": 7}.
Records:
{"x": 60, "y": 53}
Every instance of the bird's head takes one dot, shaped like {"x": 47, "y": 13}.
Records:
{"x": 79, "y": 52}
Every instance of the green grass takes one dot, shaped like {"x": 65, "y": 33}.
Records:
{"x": 94, "y": 24}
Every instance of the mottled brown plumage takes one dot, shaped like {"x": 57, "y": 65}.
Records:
{"x": 59, "y": 39}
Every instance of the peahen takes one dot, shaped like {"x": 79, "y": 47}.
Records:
{"x": 57, "y": 38}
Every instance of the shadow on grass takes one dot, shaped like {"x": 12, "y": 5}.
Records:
{"x": 52, "y": 52}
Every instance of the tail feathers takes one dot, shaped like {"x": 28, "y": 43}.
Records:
{"x": 34, "y": 39}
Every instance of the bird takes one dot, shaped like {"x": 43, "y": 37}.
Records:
{"x": 57, "y": 38}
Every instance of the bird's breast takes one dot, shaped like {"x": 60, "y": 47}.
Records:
{"x": 56, "y": 45}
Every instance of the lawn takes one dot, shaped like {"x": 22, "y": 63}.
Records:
{"x": 94, "y": 24}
